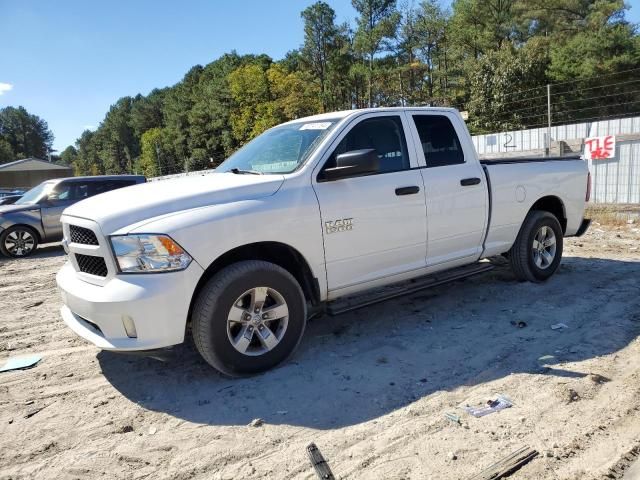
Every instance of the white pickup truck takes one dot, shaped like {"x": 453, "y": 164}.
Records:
{"x": 330, "y": 213}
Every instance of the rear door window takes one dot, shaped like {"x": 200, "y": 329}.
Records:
{"x": 439, "y": 140}
{"x": 81, "y": 191}
{"x": 108, "y": 185}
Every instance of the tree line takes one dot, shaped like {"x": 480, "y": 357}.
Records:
{"x": 23, "y": 135}
{"x": 491, "y": 58}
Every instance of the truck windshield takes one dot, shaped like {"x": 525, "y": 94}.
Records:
{"x": 279, "y": 150}
{"x": 35, "y": 194}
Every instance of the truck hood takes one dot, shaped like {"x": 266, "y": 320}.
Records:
{"x": 125, "y": 207}
{"x": 6, "y": 209}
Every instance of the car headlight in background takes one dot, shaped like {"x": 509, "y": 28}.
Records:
{"x": 146, "y": 253}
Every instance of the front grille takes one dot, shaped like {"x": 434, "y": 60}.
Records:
{"x": 82, "y": 235}
{"x": 92, "y": 265}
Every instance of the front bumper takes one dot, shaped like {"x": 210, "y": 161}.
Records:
{"x": 157, "y": 304}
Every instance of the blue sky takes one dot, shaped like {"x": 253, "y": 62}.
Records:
{"x": 68, "y": 61}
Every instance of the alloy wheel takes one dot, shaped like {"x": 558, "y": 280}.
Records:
{"x": 544, "y": 247}
{"x": 257, "y": 321}
{"x": 20, "y": 243}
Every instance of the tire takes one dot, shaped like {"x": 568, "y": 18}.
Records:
{"x": 252, "y": 345}
{"x": 18, "y": 242}
{"x": 528, "y": 260}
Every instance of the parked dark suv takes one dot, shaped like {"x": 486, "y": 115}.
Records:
{"x": 35, "y": 218}
{"x": 9, "y": 199}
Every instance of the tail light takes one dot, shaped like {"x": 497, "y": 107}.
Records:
{"x": 588, "y": 195}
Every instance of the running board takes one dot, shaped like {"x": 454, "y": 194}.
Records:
{"x": 405, "y": 288}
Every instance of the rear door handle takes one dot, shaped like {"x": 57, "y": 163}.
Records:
{"x": 407, "y": 190}
{"x": 465, "y": 182}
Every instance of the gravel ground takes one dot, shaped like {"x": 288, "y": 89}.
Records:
{"x": 370, "y": 388}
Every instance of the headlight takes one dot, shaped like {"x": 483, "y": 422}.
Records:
{"x": 148, "y": 253}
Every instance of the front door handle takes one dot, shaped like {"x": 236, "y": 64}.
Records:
{"x": 407, "y": 190}
{"x": 465, "y": 182}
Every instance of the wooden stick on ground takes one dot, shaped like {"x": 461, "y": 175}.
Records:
{"x": 507, "y": 465}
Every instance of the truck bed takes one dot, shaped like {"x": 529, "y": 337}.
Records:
{"x": 515, "y": 183}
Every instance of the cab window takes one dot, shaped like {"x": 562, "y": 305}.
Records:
{"x": 439, "y": 140}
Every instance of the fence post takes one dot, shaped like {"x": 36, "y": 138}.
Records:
{"x": 548, "y": 120}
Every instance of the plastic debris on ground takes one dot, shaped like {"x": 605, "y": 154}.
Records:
{"x": 256, "y": 422}
{"x": 546, "y": 361}
{"x": 20, "y": 363}
{"x": 32, "y": 411}
{"x": 559, "y": 326}
{"x": 453, "y": 418}
{"x": 546, "y": 358}
{"x": 500, "y": 403}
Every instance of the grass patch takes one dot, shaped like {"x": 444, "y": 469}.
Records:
{"x": 612, "y": 214}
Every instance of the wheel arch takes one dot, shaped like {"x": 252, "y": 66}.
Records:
{"x": 278, "y": 253}
{"x": 553, "y": 205}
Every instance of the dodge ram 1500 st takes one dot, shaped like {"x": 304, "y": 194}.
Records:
{"x": 314, "y": 214}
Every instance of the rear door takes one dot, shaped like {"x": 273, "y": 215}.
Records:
{"x": 455, "y": 187}
{"x": 374, "y": 226}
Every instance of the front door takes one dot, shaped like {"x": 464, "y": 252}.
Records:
{"x": 61, "y": 196}
{"x": 456, "y": 189}
{"x": 374, "y": 225}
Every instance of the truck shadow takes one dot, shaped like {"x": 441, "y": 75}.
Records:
{"x": 361, "y": 365}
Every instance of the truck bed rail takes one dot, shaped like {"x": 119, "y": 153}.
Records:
{"x": 505, "y": 161}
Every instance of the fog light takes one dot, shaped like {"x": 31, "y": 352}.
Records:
{"x": 129, "y": 326}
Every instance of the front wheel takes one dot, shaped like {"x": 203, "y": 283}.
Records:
{"x": 248, "y": 318}
{"x": 18, "y": 242}
{"x": 537, "y": 251}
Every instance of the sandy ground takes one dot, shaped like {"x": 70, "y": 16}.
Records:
{"x": 370, "y": 388}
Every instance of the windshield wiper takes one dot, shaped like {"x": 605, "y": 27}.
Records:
{"x": 237, "y": 171}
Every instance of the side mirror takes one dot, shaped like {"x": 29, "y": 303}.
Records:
{"x": 353, "y": 163}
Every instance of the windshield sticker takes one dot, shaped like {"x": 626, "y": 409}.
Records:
{"x": 316, "y": 126}
{"x": 275, "y": 167}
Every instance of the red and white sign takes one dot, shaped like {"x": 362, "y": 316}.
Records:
{"x": 600, "y": 148}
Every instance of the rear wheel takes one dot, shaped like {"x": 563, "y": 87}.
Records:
{"x": 248, "y": 318}
{"x": 18, "y": 242}
{"x": 537, "y": 251}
